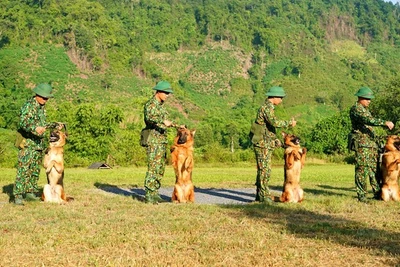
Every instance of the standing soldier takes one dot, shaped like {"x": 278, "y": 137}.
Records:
{"x": 365, "y": 146}
{"x": 31, "y": 144}
{"x": 156, "y": 119}
{"x": 263, "y": 137}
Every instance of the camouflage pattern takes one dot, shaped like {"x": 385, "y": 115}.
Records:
{"x": 263, "y": 158}
{"x": 30, "y": 156}
{"x": 28, "y": 170}
{"x": 266, "y": 116}
{"x": 154, "y": 116}
{"x": 366, "y": 154}
{"x": 263, "y": 149}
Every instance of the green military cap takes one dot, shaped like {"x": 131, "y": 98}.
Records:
{"x": 276, "y": 91}
{"x": 163, "y": 86}
{"x": 365, "y": 92}
{"x": 43, "y": 90}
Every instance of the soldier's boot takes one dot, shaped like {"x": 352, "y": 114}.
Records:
{"x": 148, "y": 198}
{"x": 363, "y": 199}
{"x": 31, "y": 197}
{"x": 18, "y": 200}
{"x": 378, "y": 195}
{"x": 258, "y": 198}
{"x": 156, "y": 196}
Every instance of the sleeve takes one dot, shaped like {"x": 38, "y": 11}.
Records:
{"x": 27, "y": 120}
{"x": 155, "y": 116}
{"x": 366, "y": 117}
{"x": 269, "y": 116}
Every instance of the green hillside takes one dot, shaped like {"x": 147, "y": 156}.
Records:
{"x": 103, "y": 58}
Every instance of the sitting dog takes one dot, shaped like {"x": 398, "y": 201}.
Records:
{"x": 390, "y": 169}
{"x": 182, "y": 161}
{"x": 294, "y": 162}
{"x": 54, "y": 165}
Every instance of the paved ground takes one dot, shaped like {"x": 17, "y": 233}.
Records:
{"x": 202, "y": 195}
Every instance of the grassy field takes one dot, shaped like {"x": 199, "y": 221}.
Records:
{"x": 99, "y": 228}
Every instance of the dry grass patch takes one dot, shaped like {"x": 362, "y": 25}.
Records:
{"x": 102, "y": 228}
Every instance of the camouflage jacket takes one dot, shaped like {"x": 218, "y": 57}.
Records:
{"x": 32, "y": 115}
{"x": 361, "y": 122}
{"x": 266, "y": 117}
{"x": 154, "y": 116}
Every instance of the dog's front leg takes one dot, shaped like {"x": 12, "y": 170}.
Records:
{"x": 49, "y": 166}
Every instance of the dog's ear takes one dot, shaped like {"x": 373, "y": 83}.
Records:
{"x": 284, "y": 134}
{"x": 192, "y": 132}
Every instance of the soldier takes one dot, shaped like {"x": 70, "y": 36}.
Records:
{"x": 31, "y": 144}
{"x": 156, "y": 119}
{"x": 366, "y": 148}
{"x": 263, "y": 137}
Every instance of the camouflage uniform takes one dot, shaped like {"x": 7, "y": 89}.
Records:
{"x": 366, "y": 155}
{"x": 30, "y": 156}
{"x": 264, "y": 147}
{"x": 154, "y": 116}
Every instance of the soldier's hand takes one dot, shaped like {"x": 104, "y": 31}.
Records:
{"x": 167, "y": 123}
{"x": 40, "y": 130}
{"x": 293, "y": 122}
{"x": 389, "y": 124}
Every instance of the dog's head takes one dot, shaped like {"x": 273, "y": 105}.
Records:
{"x": 392, "y": 143}
{"x": 57, "y": 138}
{"x": 290, "y": 140}
{"x": 184, "y": 135}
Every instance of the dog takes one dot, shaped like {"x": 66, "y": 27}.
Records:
{"x": 390, "y": 169}
{"x": 294, "y": 161}
{"x": 54, "y": 165}
{"x": 182, "y": 162}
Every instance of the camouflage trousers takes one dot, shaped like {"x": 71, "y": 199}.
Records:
{"x": 263, "y": 158}
{"x": 28, "y": 170}
{"x": 156, "y": 157}
{"x": 366, "y": 169}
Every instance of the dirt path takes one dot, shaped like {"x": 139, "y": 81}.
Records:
{"x": 202, "y": 195}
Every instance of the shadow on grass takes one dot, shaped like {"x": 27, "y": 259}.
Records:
{"x": 308, "y": 224}
{"x": 114, "y": 189}
{"x": 228, "y": 194}
{"x": 203, "y": 195}
{"x": 8, "y": 189}
{"x": 330, "y": 190}
{"x": 127, "y": 190}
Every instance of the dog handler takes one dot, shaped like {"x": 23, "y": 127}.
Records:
{"x": 263, "y": 137}
{"x": 156, "y": 119}
{"x": 31, "y": 144}
{"x": 366, "y": 148}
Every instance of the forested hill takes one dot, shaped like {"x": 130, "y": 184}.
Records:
{"x": 103, "y": 57}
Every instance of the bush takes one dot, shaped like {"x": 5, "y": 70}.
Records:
{"x": 8, "y": 153}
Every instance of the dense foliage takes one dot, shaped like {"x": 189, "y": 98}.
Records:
{"x": 103, "y": 57}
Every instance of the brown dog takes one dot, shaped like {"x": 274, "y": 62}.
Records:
{"x": 182, "y": 161}
{"x": 294, "y": 162}
{"x": 390, "y": 169}
{"x": 54, "y": 165}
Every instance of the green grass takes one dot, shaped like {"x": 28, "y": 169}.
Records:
{"x": 100, "y": 228}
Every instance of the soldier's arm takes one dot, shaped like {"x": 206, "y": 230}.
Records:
{"x": 366, "y": 117}
{"x": 269, "y": 116}
{"x": 154, "y": 117}
{"x": 27, "y": 121}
